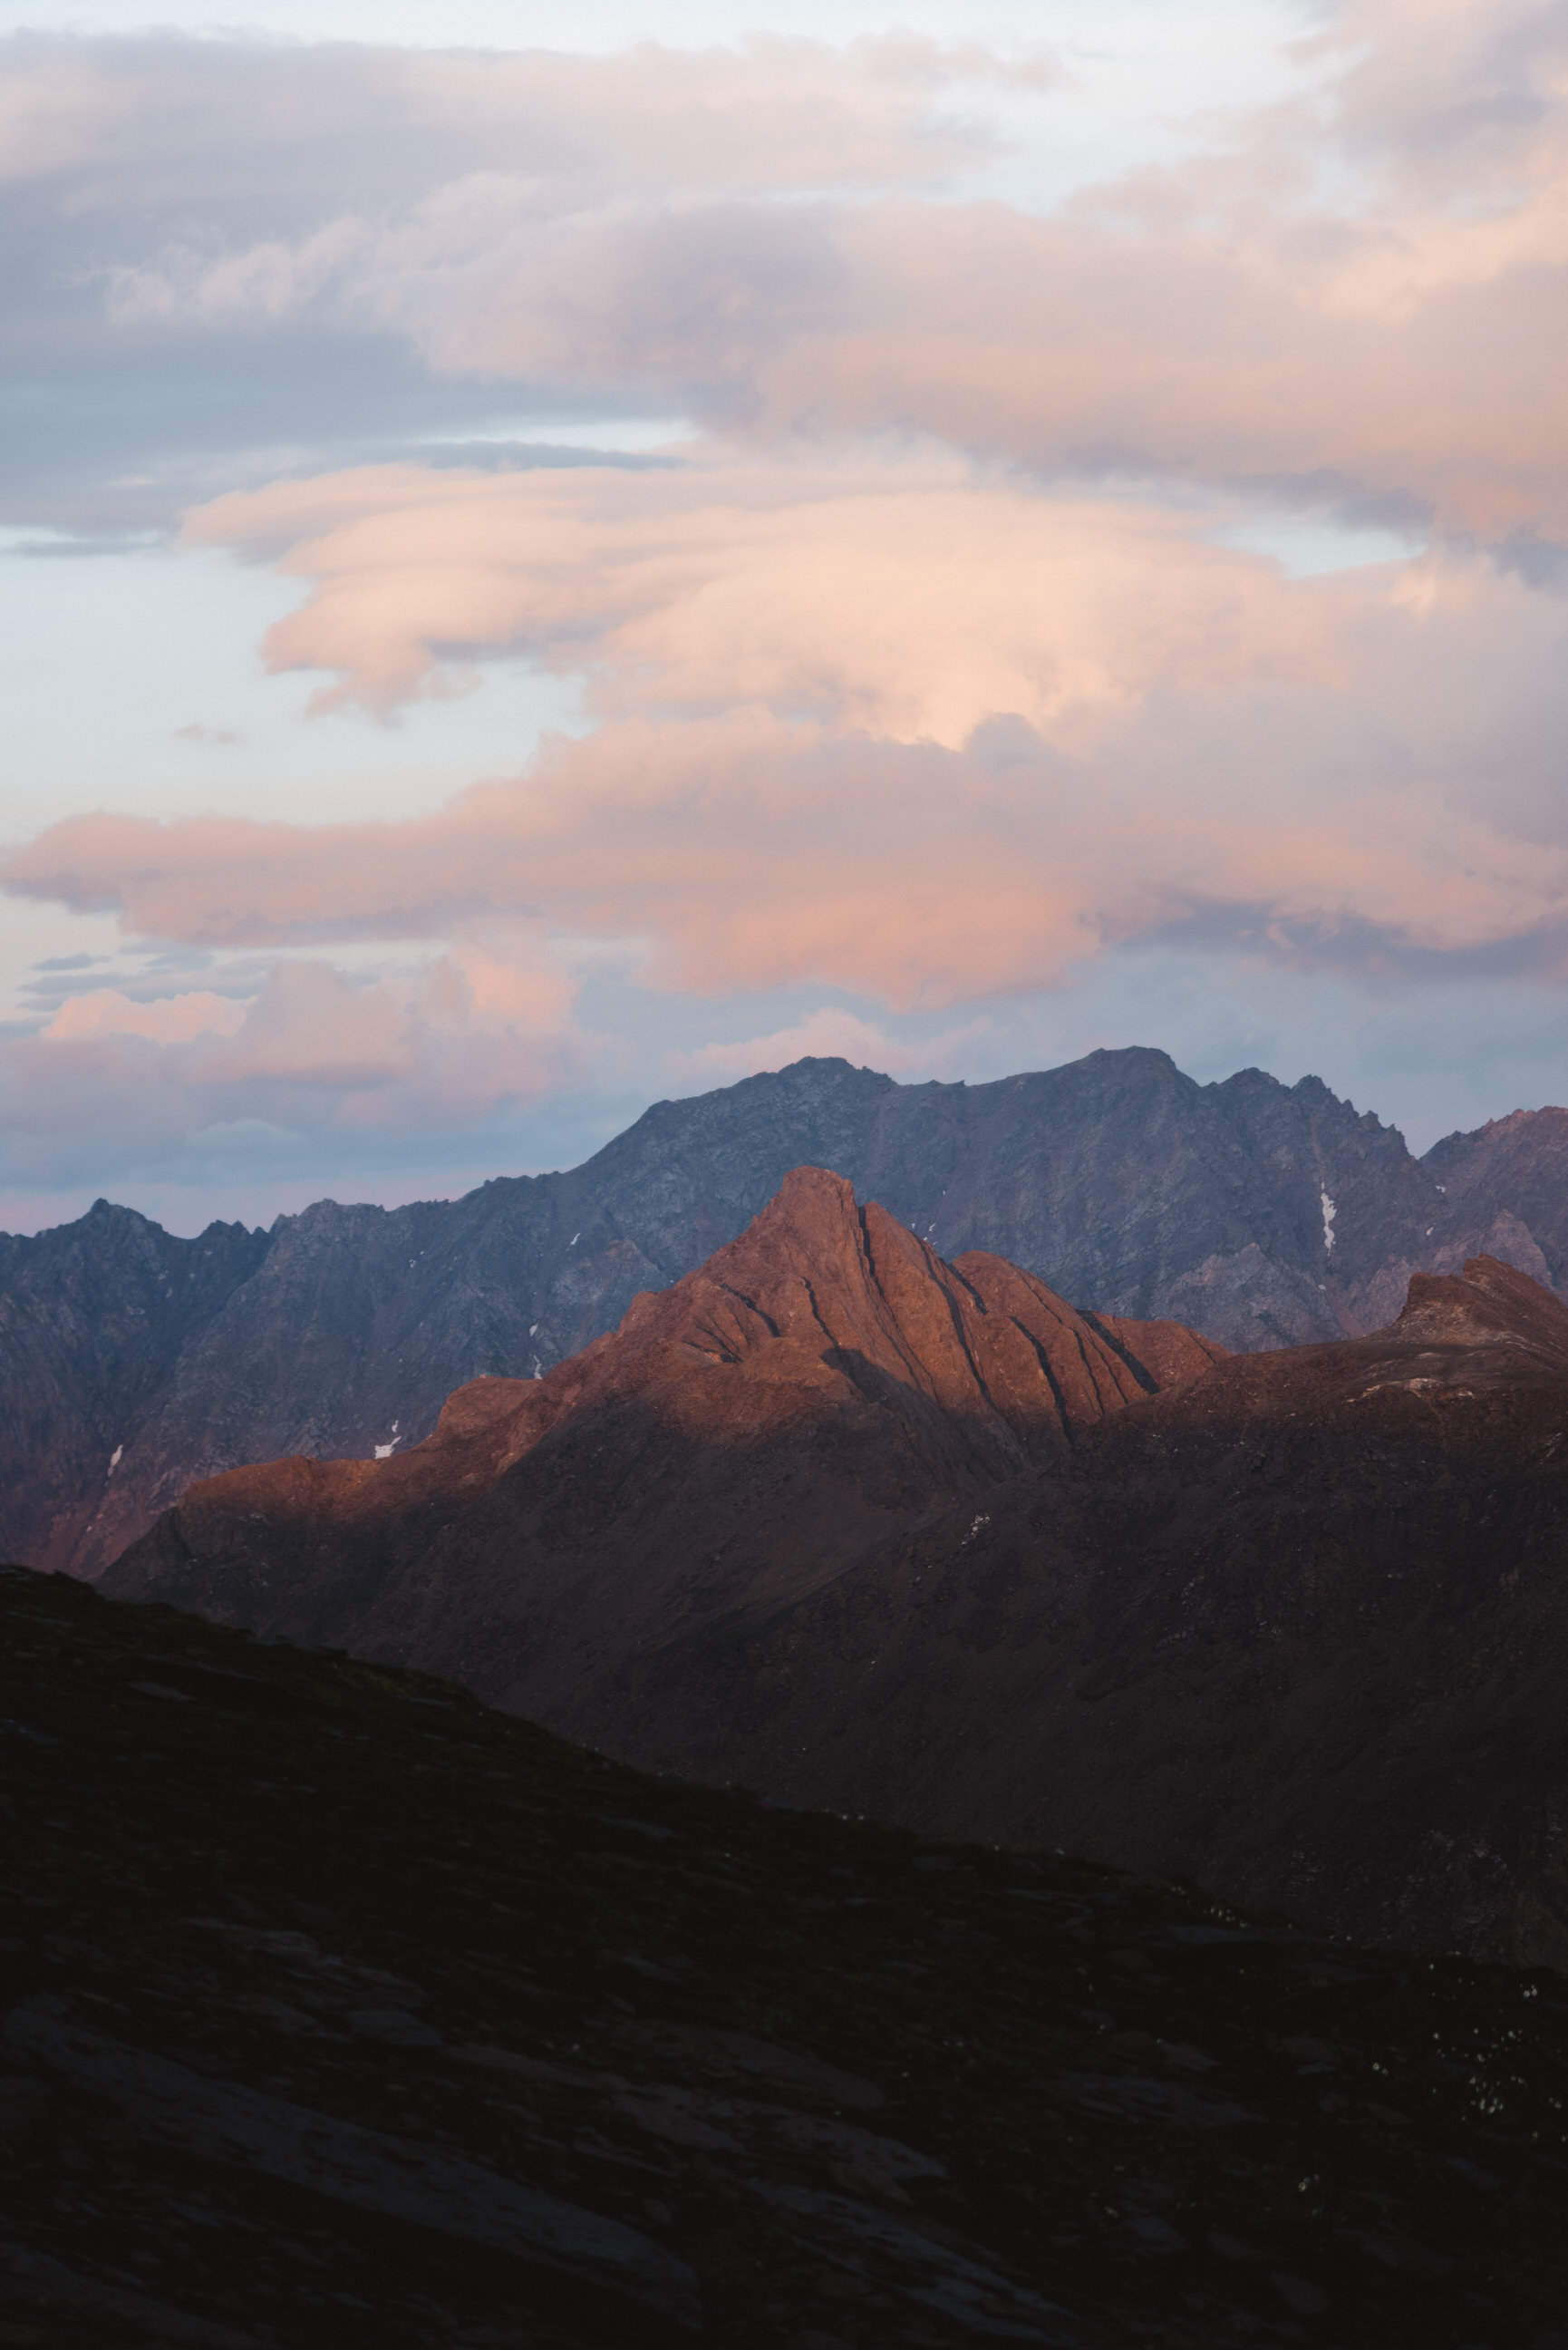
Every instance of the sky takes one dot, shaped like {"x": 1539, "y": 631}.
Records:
{"x": 552, "y": 559}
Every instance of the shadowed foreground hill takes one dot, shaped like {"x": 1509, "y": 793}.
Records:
{"x": 336, "y": 2010}
{"x": 916, "y": 1541}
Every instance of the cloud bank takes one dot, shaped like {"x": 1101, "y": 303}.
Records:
{"x": 892, "y": 728}
{"x": 944, "y": 656}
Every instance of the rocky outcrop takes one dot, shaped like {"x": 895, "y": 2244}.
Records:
{"x": 1262, "y": 1214}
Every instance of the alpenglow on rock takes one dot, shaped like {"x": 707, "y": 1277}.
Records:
{"x": 822, "y": 1384}
{"x": 917, "y": 1543}
{"x": 132, "y": 1362}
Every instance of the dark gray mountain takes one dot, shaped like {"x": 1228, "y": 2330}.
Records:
{"x": 1262, "y": 1215}
{"x": 95, "y": 1319}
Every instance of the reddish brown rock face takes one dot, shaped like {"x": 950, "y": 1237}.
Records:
{"x": 744, "y": 1437}
{"x": 886, "y": 1535}
{"x": 133, "y": 1365}
{"x": 1297, "y": 1630}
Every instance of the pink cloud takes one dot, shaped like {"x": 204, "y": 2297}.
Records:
{"x": 750, "y": 851}
{"x": 928, "y": 669}
{"x": 364, "y": 178}
{"x": 458, "y": 1031}
{"x": 1358, "y": 291}
{"x": 311, "y": 1025}
{"x": 1407, "y": 359}
{"x": 827, "y": 1033}
{"x": 165, "y": 1019}
{"x": 326, "y": 1075}
{"x": 911, "y": 598}
{"x": 450, "y": 1040}
{"x": 797, "y": 665}
{"x": 161, "y": 117}
{"x": 1362, "y": 287}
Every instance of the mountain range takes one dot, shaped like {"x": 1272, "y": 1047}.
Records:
{"x": 873, "y": 1531}
{"x": 133, "y": 1363}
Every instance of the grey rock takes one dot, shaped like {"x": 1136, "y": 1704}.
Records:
{"x": 133, "y": 1363}
{"x": 52, "y": 2283}
{"x": 982, "y": 2299}
{"x": 399, "y": 2177}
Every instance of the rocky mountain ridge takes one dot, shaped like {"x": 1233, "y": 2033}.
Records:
{"x": 872, "y": 1532}
{"x": 132, "y": 1362}
{"x": 745, "y": 1437}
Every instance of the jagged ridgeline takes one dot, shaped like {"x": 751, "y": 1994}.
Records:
{"x": 337, "y": 2008}
{"x": 132, "y": 1362}
{"x": 884, "y": 1534}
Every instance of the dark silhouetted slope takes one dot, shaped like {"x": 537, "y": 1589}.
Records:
{"x": 336, "y": 2010}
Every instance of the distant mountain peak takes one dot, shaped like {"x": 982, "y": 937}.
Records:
{"x": 1116, "y": 1180}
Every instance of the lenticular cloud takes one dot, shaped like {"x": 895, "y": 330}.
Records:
{"x": 952, "y": 639}
{"x": 900, "y": 726}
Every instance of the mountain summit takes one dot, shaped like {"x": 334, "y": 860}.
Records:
{"x": 919, "y": 1540}
{"x": 132, "y": 1362}
{"x": 743, "y": 1439}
